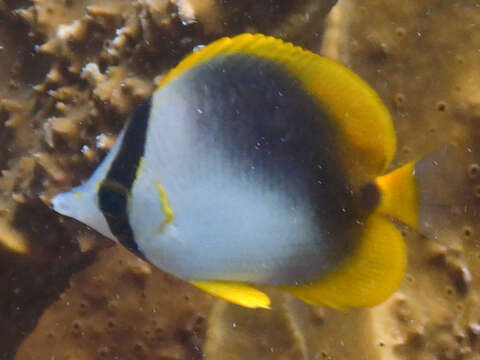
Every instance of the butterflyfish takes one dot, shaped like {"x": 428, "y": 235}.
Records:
{"x": 255, "y": 164}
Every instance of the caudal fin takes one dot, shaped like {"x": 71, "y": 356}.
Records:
{"x": 400, "y": 195}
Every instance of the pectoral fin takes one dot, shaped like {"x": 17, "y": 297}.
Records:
{"x": 237, "y": 293}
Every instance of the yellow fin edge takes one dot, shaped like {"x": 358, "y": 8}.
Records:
{"x": 237, "y": 293}
{"x": 400, "y": 194}
{"x": 364, "y": 121}
{"x": 368, "y": 277}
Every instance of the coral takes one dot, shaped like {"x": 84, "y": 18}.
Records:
{"x": 421, "y": 58}
{"x": 73, "y": 72}
{"x": 118, "y": 306}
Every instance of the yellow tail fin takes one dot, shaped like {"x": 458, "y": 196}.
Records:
{"x": 400, "y": 195}
{"x": 368, "y": 277}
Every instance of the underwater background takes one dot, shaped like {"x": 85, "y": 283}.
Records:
{"x": 71, "y": 71}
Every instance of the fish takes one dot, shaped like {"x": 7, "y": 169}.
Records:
{"x": 257, "y": 164}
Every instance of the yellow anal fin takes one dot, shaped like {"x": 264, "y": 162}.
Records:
{"x": 237, "y": 293}
{"x": 399, "y": 194}
{"x": 368, "y": 277}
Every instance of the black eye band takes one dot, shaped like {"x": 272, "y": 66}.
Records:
{"x": 114, "y": 192}
{"x": 113, "y": 198}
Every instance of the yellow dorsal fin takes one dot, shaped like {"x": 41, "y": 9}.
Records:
{"x": 368, "y": 277}
{"x": 366, "y": 134}
{"x": 237, "y": 293}
{"x": 399, "y": 194}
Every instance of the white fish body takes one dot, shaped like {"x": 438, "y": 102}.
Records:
{"x": 258, "y": 163}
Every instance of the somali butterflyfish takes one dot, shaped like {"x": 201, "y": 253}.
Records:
{"x": 258, "y": 164}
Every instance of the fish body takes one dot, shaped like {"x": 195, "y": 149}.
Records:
{"x": 257, "y": 163}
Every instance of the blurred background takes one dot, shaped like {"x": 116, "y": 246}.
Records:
{"x": 70, "y": 73}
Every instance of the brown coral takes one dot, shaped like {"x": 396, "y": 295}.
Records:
{"x": 73, "y": 72}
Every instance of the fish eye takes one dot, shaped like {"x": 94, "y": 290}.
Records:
{"x": 112, "y": 198}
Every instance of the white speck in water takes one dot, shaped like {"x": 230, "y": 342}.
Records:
{"x": 466, "y": 274}
{"x": 186, "y": 22}
{"x": 186, "y": 40}
{"x": 200, "y": 111}
{"x": 100, "y": 140}
{"x": 104, "y": 142}
{"x": 234, "y": 325}
{"x": 475, "y": 329}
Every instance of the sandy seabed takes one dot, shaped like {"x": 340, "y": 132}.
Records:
{"x": 71, "y": 72}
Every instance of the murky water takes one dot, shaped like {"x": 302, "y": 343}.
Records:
{"x": 74, "y": 295}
